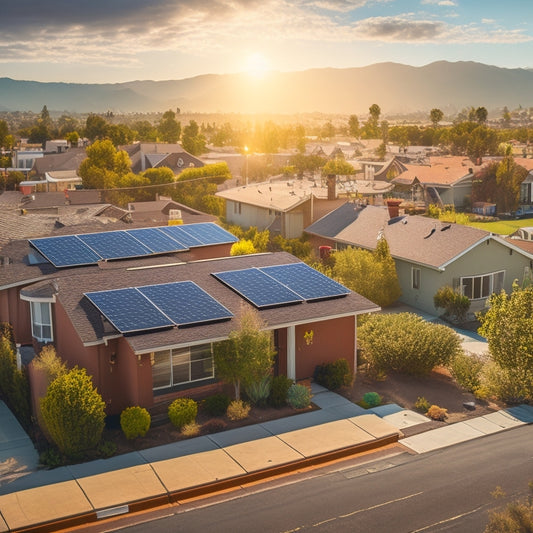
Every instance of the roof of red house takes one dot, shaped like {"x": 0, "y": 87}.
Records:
{"x": 93, "y": 328}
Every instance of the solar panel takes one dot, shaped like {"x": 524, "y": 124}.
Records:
{"x": 309, "y": 283}
{"x": 64, "y": 251}
{"x": 258, "y": 288}
{"x": 176, "y": 232}
{"x": 128, "y": 310}
{"x": 114, "y": 244}
{"x": 209, "y": 233}
{"x": 156, "y": 240}
{"x": 185, "y": 303}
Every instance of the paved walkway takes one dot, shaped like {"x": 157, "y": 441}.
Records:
{"x": 172, "y": 473}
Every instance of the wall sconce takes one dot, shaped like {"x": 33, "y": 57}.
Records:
{"x": 113, "y": 358}
{"x": 308, "y": 337}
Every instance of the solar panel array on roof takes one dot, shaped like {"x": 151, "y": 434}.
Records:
{"x": 89, "y": 248}
{"x": 154, "y": 307}
{"x": 281, "y": 284}
{"x": 258, "y": 288}
{"x": 129, "y": 310}
{"x": 309, "y": 283}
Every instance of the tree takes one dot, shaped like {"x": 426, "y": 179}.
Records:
{"x": 509, "y": 177}
{"x": 169, "y": 128}
{"x": 192, "y": 140}
{"x": 517, "y": 517}
{"x": 338, "y": 167}
{"x": 375, "y": 112}
{"x": 481, "y": 115}
{"x": 104, "y": 166}
{"x": 507, "y": 326}
{"x": 436, "y": 115}
{"x": 95, "y": 127}
{"x": 73, "y": 412}
{"x": 370, "y": 274}
{"x": 353, "y": 126}
{"x": 405, "y": 342}
{"x": 4, "y": 132}
{"x": 247, "y": 356}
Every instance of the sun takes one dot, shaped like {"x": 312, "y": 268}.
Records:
{"x": 256, "y": 65}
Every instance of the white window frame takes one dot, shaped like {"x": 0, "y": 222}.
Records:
{"x": 172, "y": 360}
{"x": 41, "y": 325}
{"x": 416, "y": 275}
{"x": 237, "y": 208}
{"x": 483, "y": 285}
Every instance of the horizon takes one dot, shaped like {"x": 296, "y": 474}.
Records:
{"x": 128, "y": 40}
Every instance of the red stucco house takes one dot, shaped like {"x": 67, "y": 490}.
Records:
{"x": 132, "y": 365}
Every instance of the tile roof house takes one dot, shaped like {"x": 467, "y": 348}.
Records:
{"x": 428, "y": 254}
{"x": 147, "y": 364}
{"x": 447, "y": 180}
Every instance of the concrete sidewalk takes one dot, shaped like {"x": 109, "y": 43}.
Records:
{"x": 67, "y": 496}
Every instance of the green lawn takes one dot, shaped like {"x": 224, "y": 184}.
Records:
{"x": 503, "y": 227}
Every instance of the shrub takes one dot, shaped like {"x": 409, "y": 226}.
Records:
{"x": 182, "y": 411}
{"x": 190, "y": 430}
{"x": 422, "y": 405}
{"x": 73, "y": 412}
{"x": 216, "y": 405}
{"x": 437, "y": 413}
{"x": 279, "y": 390}
{"x": 503, "y": 384}
{"x": 238, "y": 410}
{"x": 333, "y": 375}
{"x": 299, "y": 396}
{"x": 259, "y": 391}
{"x": 466, "y": 370}
{"x": 106, "y": 449}
{"x": 214, "y": 425}
{"x": 51, "y": 457}
{"x": 135, "y": 422}
{"x": 455, "y": 304}
{"x": 14, "y": 386}
{"x": 405, "y": 342}
{"x": 372, "y": 399}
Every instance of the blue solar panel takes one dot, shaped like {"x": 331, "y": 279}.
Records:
{"x": 306, "y": 281}
{"x": 176, "y": 232}
{"x": 128, "y": 310}
{"x": 114, "y": 244}
{"x": 156, "y": 240}
{"x": 64, "y": 251}
{"x": 209, "y": 233}
{"x": 258, "y": 288}
{"x": 185, "y": 303}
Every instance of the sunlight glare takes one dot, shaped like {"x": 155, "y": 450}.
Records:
{"x": 256, "y": 65}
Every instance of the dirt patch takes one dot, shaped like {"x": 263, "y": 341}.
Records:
{"x": 438, "y": 388}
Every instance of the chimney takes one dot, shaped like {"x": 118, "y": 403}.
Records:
{"x": 393, "y": 206}
{"x": 332, "y": 186}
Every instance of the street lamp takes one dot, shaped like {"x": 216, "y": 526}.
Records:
{"x": 246, "y": 165}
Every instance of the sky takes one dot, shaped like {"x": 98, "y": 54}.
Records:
{"x": 111, "y": 41}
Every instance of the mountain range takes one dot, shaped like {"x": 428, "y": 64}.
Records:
{"x": 396, "y": 88}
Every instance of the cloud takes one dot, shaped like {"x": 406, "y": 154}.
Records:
{"x": 399, "y": 29}
{"x": 446, "y": 3}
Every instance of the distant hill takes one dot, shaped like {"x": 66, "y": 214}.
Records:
{"x": 396, "y": 88}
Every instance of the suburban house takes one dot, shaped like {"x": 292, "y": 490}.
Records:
{"x": 446, "y": 180}
{"x": 145, "y": 155}
{"x": 428, "y": 254}
{"x": 141, "y": 308}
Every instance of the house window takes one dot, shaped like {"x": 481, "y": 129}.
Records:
{"x": 183, "y": 365}
{"x": 237, "y": 208}
{"x": 479, "y": 287}
{"x": 41, "y": 321}
{"x": 415, "y": 278}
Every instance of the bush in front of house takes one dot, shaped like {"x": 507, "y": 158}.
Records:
{"x": 299, "y": 396}
{"x": 406, "y": 343}
{"x": 437, "y": 413}
{"x": 455, "y": 304}
{"x": 279, "y": 390}
{"x": 135, "y": 422}
{"x": 259, "y": 391}
{"x": 238, "y": 410}
{"x": 191, "y": 430}
{"x": 182, "y": 411}
{"x": 466, "y": 370}
{"x": 372, "y": 399}
{"x": 74, "y": 413}
{"x": 506, "y": 384}
{"x": 216, "y": 404}
{"x": 422, "y": 405}
{"x": 333, "y": 375}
